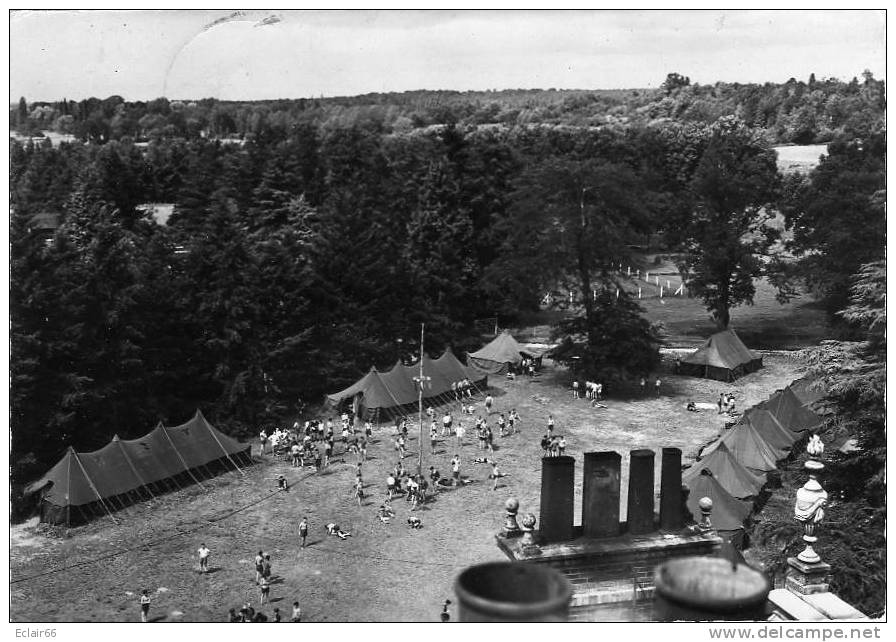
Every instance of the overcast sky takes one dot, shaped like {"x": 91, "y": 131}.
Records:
{"x": 285, "y": 54}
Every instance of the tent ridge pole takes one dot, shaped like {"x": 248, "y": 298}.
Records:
{"x": 187, "y": 468}
{"x": 92, "y": 487}
{"x": 218, "y": 441}
{"x": 134, "y": 469}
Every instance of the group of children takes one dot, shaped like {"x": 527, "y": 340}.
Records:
{"x": 527, "y": 366}
{"x": 726, "y": 403}
{"x": 552, "y": 445}
{"x": 315, "y": 444}
{"x": 248, "y": 614}
{"x": 461, "y": 389}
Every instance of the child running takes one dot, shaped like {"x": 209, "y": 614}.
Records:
{"x": 496, "y": 474}
{"x": 455, "y": 469}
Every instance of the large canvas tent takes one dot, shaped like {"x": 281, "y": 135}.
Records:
{"x": 770, "y": 429}
{"x": 730, "y": 473}
{"x": 724, "y": 357}
{"x": 82, "y": 485}
{"x": 501, "y": 354}
{"x": 391, "y": 390}
{"x": 808, "y": 391}
{"x": 728, "y": 513}
{"x": 791, "y": 412}
{"x": 749, "y": 448}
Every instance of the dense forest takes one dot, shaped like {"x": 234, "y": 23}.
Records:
{"x": 310, "y": 238}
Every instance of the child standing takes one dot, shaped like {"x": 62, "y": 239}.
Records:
{"x": 203, "y": 558}
{"x": 303, "y": 530}
{"x": 259, "y": 566}
{"x": 266, "y": 567}
{"x": 145, "y": 601}
{"x": 265, "y": 590}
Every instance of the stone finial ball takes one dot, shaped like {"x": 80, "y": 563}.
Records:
{"x": 705, "y": 504}
{"x": 512, "y": 505}
{"x": 529, "y": 520}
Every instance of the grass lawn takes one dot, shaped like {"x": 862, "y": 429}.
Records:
{"x": 765, "y": 325}
{"x": 685, "y": 322}
{"x": 382, "y": 572}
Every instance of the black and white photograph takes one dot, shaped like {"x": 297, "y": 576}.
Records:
{"x": 463, "y": 315}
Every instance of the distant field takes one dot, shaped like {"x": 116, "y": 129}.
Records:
{"x": 799, "y": 158}
{"x": 685, "y": 322}
{"x": 765, "y": 325}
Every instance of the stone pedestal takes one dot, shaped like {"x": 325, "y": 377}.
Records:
{"x": 807, "y": 578}
{"x": 511, "y": 528}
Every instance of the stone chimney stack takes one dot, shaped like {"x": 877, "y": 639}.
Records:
{"x": 671, "y": 516}
{"x": 601, "y": 494}
{"x": 640, "y": 492}
{"x": 557, "y": 498}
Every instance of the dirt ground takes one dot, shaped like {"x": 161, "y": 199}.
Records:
{"x": 382, "y": 572}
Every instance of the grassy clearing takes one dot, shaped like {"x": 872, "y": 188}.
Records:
{"x": 686, "y": 323}
{"x": 381, "y": 573}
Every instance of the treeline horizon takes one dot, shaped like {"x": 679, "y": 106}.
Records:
{"x": 797, "y": 112}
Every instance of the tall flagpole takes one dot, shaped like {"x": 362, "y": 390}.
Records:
{"x": 422, "y": 383}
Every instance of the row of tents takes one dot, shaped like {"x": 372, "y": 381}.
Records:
{"x": 732, "y": 470}
{"x": 85, "y": 485}
{"x": 89, "y": 484}
{"x": 394, "y": 391}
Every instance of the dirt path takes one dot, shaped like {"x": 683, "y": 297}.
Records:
{"x": 382, "y": 572}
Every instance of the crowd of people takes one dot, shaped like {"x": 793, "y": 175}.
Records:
{"x": 314, "y": 443}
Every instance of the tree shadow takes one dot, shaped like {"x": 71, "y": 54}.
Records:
{"x": 157, "y": 618}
